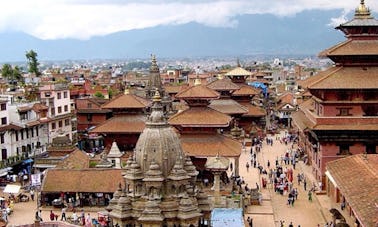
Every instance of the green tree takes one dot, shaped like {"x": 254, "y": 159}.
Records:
{"x": 33, "y": 63}
{"x": 12, "y": 74}
{"x": 98, "y": 95}
{"x": 7, "y": 71}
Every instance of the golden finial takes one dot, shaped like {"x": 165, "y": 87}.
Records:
{"x": 197, "y": 81}
{"x": 220, "y": 76}
{"x": 157, "y": 97}
{"x": 362, "y": 12}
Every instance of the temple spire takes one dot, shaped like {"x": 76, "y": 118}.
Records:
{"x": 197, "y": 81}
{"x": 362, "y": 12}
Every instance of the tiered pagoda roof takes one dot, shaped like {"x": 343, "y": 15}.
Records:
{"x": 200, "y": 117}
{"x": 127, "y": 101}
{"x": 130, "y": 123}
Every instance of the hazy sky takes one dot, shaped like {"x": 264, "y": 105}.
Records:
{"x": 83, "y": 19}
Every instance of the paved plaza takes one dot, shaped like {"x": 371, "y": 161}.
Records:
{"x": 274, "y": 206}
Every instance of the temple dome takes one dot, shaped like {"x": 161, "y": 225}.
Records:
{"x": 158, "y": 142}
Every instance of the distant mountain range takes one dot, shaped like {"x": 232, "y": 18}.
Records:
{"x": 306, "y": 33}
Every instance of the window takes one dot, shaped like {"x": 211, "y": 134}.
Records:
{"x": 37, "y": 131}
{"x": 89, "y": 105}
{"x": 59, "y": 109}
{"x": 16, "y": 133}
{"x": 3, "y": 120}
{"x": 3, "y": 106}
{"x": 27, "y": 133}
{"x": 344, "y": 149}
{"x": 23, "y": 116}
{"x": 22, "y": 134}
{"x": 65, "y": 108}
{"x": 52, "y": 110}
{"x": 47, "y": 94}
{"x": 344, "y": 112}
{"x": 65, "y": 94}
{"x": 60, "y": 123}
{"x": 59, "y": 95}
{"x": 66, "y": 122}
{"x": 32, "y": 132}
{"x": 53, "y": 126}
{"x": 89, "y": 117}
{"x": 2, "y": 139}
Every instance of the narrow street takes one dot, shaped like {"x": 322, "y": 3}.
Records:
{"x": 274, "y": 207}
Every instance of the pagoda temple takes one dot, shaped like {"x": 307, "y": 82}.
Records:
{"x": 160, "y": 188}
{"x": 199, "y": 127}
{"x": 127, "y": 123}
{"x": 341, "y": 118}
{"x": 236, "y": 99}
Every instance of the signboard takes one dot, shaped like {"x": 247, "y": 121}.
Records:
{"x": 36, "y": 179}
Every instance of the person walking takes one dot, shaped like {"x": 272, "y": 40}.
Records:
{"x": 32, "y": 194}
{"x": 88, "y": 220}
{"x": 63, "y": 214}
{"x": 304, "y": 184}
{"x": 52, "y": 215}
{"x": 250, "y": 221}
{"x": 309, "y": 196}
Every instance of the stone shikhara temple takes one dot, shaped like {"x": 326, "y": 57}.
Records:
{"x": 160, "y": 181}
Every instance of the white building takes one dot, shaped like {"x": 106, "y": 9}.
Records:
{"x": 22, "y": 130}
{"x": 56, "y": 96}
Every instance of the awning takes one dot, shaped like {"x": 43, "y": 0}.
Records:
{"x": 328, "y": 174}
{"x": 4, "y": 172}
{"x": 12, "y": 188}
{"x": 27, "y": 161}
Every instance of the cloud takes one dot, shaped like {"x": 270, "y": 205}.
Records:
{"x": 83, "y": 19}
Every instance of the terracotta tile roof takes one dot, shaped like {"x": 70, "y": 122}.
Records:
{"x": 130, "y": 123}
{"x": 287, "y": 97}
{"x": 246, "y": 90}
{"x": 238, "y": 71}
{"x": 200, "y": 117}
{"x": 318, "y": 77}
{"x": 361, "y": 22}
{"x": 352, "y": 47}
{"x": 228, "y": 106}
{"x": 85, "y": 111}
{"x": 85, "y": 180}
{"x": 128, "y": 101}
{"x": 349, "y": 78}
{"x": 9, "y": 127}
{"x": 301, "y": 121}
{"x": 77, "y": 159}
{"x": 357, "y": 179}
{"x": 208, "y": 145}
{"x": 197, "y": 92}
{"x": 304, "y": 119}
{"x": 24, "y": 108}
{"x": 33, "y": 123}
{"x": 174, "y": 89}
{"x": 224, "y": 84}
{"x": 253, "y": 111}
{"x": 37, "y": 107}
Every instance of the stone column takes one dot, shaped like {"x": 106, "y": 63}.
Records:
{"x": 217, "y": 187}
{"x": 236, "y": 171}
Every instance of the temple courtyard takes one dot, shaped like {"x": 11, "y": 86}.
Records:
{"x": 271, "y": 212}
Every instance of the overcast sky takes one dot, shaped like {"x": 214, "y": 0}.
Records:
{"x": 83, "y": 19}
